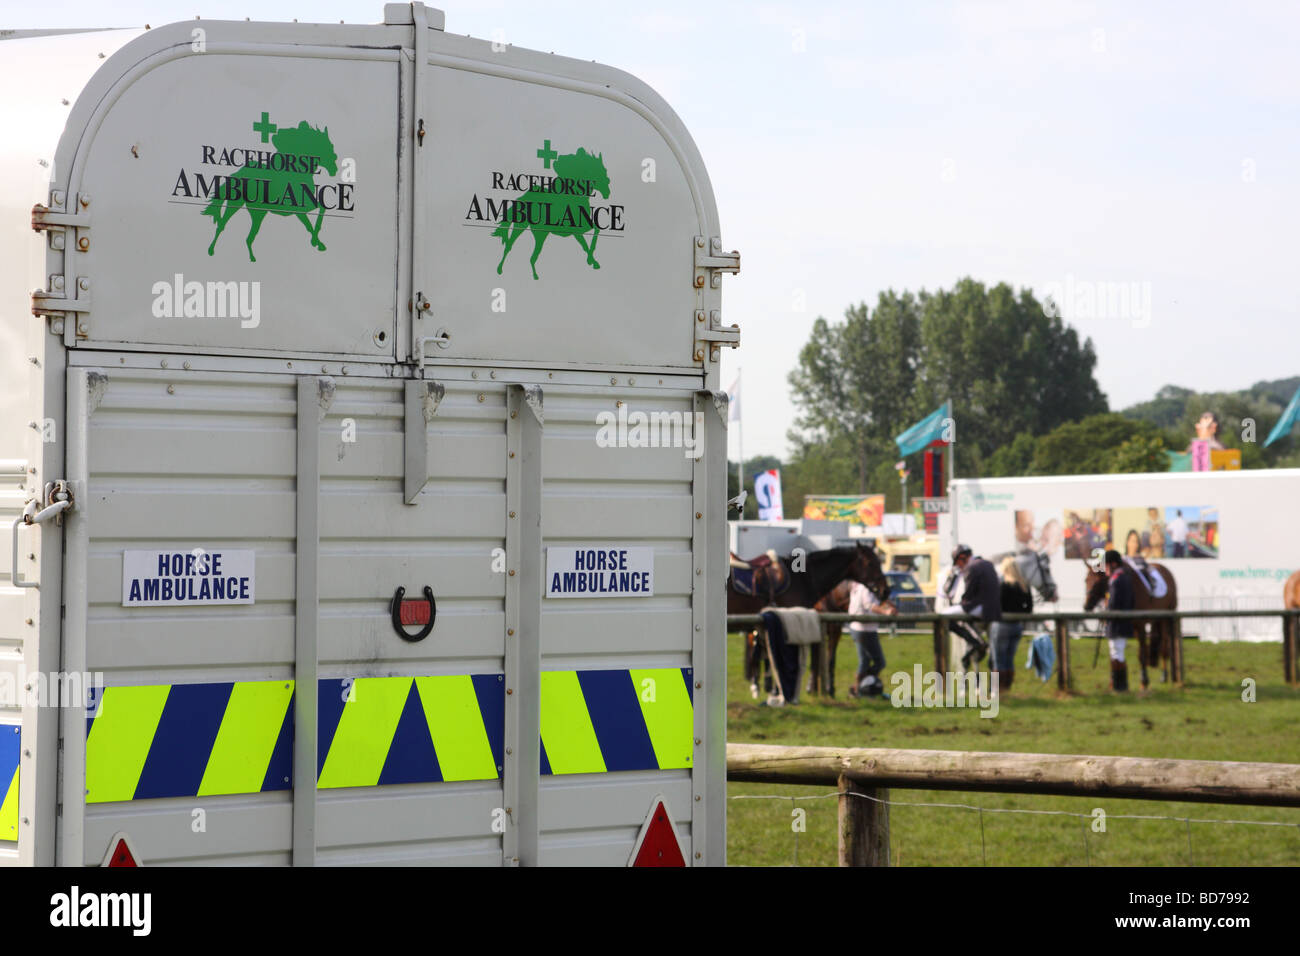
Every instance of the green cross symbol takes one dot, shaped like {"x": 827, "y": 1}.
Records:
{"x": 545, "y": 154}
{"x": 266, "y": 127}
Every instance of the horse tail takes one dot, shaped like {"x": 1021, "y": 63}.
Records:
{"x": 213, "y": 208}
{"x": 502, "y": 231}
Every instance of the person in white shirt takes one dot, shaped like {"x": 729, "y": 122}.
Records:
{"x": 871, "y": 658}
{"x": 1178, "y": 535}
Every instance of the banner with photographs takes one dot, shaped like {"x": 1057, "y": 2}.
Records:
{"x": 1154, "y": 533}
{"x": 866, "y": 510}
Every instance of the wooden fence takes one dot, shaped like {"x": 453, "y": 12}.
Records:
{"x": 864, "y": 776}
{"x": 1059, "y": 624}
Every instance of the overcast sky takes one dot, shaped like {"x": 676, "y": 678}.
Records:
{"x": 855, "y": 147}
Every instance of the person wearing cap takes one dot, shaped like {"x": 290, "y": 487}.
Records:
{"x": 1120, "y": 596}
{"x": 981, "y": 597}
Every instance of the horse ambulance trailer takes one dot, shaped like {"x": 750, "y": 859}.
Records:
{"x": 1237, "y": 529}
{"x": 359, "y": 537}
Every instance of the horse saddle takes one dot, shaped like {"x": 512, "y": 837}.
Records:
{"x": 1156, "y": 585}
{"x": 762, "y": 576}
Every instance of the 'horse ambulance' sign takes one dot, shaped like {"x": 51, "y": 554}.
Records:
{"x": 600, "y": 572}
{"x": 179, "y": 578}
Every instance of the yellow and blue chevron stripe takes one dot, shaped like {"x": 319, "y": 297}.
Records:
{"x": 10, "y": 748}
{"x": 195, "y": 740}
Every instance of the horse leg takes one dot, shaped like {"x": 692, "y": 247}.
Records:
{"x": 589, "y": 250}
{"x": 508, "y": 243}
{"x": 257, "y": 215}
{"x": 1141, "y": 628}
{"x": 314, "y": 230}
{"x": 833, "y": 635}
{"x": 539, "y": 237}
{"x": 221, "y": 219}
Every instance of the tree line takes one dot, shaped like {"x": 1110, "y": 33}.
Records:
{"x": 1024, "y": 396}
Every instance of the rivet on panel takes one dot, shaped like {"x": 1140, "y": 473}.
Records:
{"x": 493, "y": 374}
{"x": 631, "y": 381}
{"x": 699, "y": 856}
{"x": 697, "y": 741}
{"x": 512, "y": 514}
{"x": 473, "y": 374}
{"x": 699, "y": 571}
{"x": 323, "y": 370}
{"x": 697, "y": 798}
{"x": 171, "y": 389}
{"x": 514, "y": 414}
{"x": 613, "y": 380}
{"x": 699, "y": 515}
{"x": 186, "y": 365}
{"x": 698, "y": 685}
{"x": 83, "y": 243}
{"x": 512, "y": 573}
{"x": 512, "y": 454}
{"x": 509, "y": 691}
{"x": 163, "y": 363}
{"x": 480, "y": 396}
{"x": 510, "y": 632}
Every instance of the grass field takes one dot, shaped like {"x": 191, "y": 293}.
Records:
{"x": 1208, "y": 720}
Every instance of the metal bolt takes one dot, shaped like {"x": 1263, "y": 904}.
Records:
{"x": 699, "y": 570}
{"x": 81, "y": 327}
{"x": 613, "y": 380}
{"x": 493, "y": 374}
{"x": 699, "y": 515}
{"x": 30, "y": 622}
{"x": 171, "y": 389}
{"x": 512, "y": 455}
{"x": 699, "y": 316}
{"x": 699, "y": 281}
{"x": 697, "y": 798}
{"x": 56, "y": 240}
{"x": 698, "y": 856}
{"x": 512, "y": 514}
{"x": 57, "y": 283}
{"x": 512, "y": 573}
{"x": 480, "y": 396}
{"x": 699, "y": 241}
{"x": 514, "y": 414}
{"x": 473, "y": 374}
{"x": 508, "y": 752}
{"x": 698, "y": 685}
{"x": 185, "y": 365}
{"x": 509, "y": 691}
{"x": 31, "y": 557}
{"x": 85, "y": 201}
{"x": 699, "y": 355}
{"x": 163, "y": 363}
{"x": 697, "y": 627}
{"x": 323, "y": 369}
{"x": 510, "y": 632}
{"x": 344, "y": 370}
{"x": 83, "y": 243}
{"x": 697, "y": 741}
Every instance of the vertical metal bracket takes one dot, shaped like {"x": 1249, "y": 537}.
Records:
{"x": 521, "y": 780}
{"x": 422, "y": 400}
{"x": 421, "y": 160}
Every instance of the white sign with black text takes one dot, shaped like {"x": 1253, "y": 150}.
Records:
{"x": 606, "y": 571}
{"x": 182, "y": 578}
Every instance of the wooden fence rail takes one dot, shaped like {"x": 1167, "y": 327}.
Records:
{"x": 864, "y": 776}
{"x": 1059, "y": 621}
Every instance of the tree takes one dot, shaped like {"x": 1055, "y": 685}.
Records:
{"x": 1141, "y": 453}
{"x": 1090, "y": 446}
{"x": 1007, "y": 366}
{"x": 854, "y": 382}
{"x": 1013, "y": 460}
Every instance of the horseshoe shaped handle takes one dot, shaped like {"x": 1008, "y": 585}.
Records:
{"x": 396, "y": 611}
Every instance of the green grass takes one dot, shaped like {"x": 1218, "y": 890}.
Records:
{"x": 1207, "y": 720}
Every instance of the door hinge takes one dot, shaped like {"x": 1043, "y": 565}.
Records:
{"x": 711, "y": 334}
{"x": 711, "y": 262}
{"x": 56, "y": 221}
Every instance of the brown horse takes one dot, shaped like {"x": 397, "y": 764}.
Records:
{"x": 1291, "y": 591}
{"x": 1159, "y": 648}
{"x": 835, "y": 602}
{"x": 818, "y": 574}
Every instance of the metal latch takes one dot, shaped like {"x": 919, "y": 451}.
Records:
{"x": 58, "y": 499}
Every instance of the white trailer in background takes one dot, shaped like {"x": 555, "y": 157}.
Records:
{"x": 347, "y": 512}
{"x": 1239, "y": 530}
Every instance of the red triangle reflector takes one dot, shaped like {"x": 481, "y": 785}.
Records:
{"x": 657, "y": 844}
{"x": 120, "y": 852}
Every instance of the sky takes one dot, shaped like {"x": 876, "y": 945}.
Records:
{"x": 1139, "y": 161}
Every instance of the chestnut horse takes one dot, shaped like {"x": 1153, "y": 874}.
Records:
{"x": 1159, "y": 648}
{"x": 821, "y": 572}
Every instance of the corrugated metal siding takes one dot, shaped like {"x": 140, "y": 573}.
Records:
{"x": 615, "y": 495}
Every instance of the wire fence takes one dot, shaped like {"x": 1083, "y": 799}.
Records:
{"x": 1087, "y": 820}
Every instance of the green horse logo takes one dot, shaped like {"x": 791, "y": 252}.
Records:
{"x": 561, "y": 208}
{"x": 286, "y": 188}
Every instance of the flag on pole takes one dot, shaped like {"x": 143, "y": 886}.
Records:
{"x": 733, "y": 399}
{"x": 927, "y": 430}
{"x": 767, "y": 489}
{"x": 1287, "y": 421}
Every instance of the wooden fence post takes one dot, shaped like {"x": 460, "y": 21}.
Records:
{"x": 940, "y": 646}
{"x": 1062, "y": 656}
{"x": 1290, "y": 627}
{"x": 864, "y": 825}
{"x": 1177, "y": 635}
